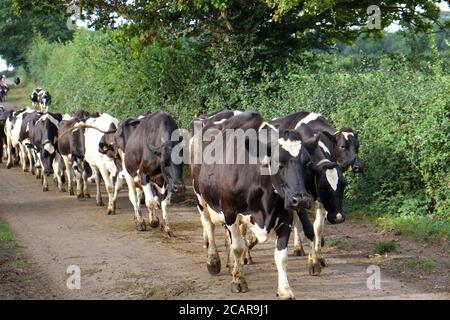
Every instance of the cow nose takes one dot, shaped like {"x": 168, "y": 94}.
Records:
{"x": 302, "y": 200}
{"x": 340, "y": 218}
{"x": 358, "y": 167}
{"x": 178, "y": 188}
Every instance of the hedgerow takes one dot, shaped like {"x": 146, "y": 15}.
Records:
{"x": 401, "y": 111}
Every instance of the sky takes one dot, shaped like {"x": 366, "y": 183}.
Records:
{"x": 394, "y": 27}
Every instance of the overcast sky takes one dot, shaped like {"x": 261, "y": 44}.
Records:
{"x": 443, "y": 5}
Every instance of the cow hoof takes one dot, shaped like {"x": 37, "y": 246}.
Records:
{"x": 154, "y": 223}
{"x": 62, "y": 190}
{"x": 248, "y": 260}
{"x": 214, "y": 265}
{"x": 71, "y": 192}
{"x": 80, "y": 196}
{"x": 87, "y": 195}
{"x": 323, "y": 262}
{"x": 322, "y": 242}
{"x": 9, "y": 166}
{"x": 239, "y": 287}
{"x": 110, "y": 212}
{"x": 100, "y": 203}
{"x": 285, "y": 294}
{"x": 140, "y": 226}
{"x": 299, "y": 252}
{"x": 314, "y": 269}
{"x": 45, "y": 189}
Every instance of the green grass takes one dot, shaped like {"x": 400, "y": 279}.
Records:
{"x": 422, "y": 263}
{"x": 422, "y": 228}
{"x": 384, "y": 247}
{"x": 20, "y": 95}
{"x": 6, "y": 237}
{"x": 336, "y": 243}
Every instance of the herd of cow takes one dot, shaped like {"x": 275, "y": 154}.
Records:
{"x": 304, "y": 155}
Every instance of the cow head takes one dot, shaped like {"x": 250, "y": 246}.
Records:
{"x": 346, "y": 147}
{"x": 173, "y": 173}
{"x": 291, "y": 162}
{"x": 330, "y": 183}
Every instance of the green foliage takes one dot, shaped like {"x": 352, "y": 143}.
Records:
{"x": 17, "y": 29}
{"x": 384, "y": 247}
{"x": 422, "y": 263}
{"x": 6, "y": 237}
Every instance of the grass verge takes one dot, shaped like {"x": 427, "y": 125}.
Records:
{"x": 422, "y": 228}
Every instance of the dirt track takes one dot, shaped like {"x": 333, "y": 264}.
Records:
{"x": 55, "y": 230}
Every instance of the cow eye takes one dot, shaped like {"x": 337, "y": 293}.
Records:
{"x": 343, "y": 146}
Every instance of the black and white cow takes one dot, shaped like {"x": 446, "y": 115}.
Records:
{"x": 149, "y": 167}
{"x": 4, "y": 114}
{"x": 235, "y": 194}
{"x": 40, "y": 100}
{"x": 326, "y": 183}
{"x": 346, "y": 144}
{"x": 13, "y": 130}
{"x": 4, "y": 89}
{"x": 71, "y": 146}
{"x": 43, "y": 137}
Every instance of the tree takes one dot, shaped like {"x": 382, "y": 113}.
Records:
{"x": 17, "y": 28}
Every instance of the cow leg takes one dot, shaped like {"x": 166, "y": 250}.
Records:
{"x": 78, "y": 170}
{"x": 298, "y": 246}
{"x": 9, "y": 147}
{"x": 23, "y": 157}
{"x": 247, "y": 257}
{"x": 30, "y": 159}
{"x": 238, "y": 284}
{"x": 58, "y": 173}
{"x": 98, "y": 194}
{"x": 134, "y": 194}
{"x": 228, "y": 249}
{"x": 284, "y": 291}
{"x": 117, "y": 187}
{"x": 85, "y": 184}
{"x": 44, "y": 176}
{"x": 164, "y": 204}
{"x": 151, "y": 201}
{"x": 109, "y": 189}
{"x": 316, "y": 260}
{"x": 213, "y": 258}
{"x": 68, "y": 174}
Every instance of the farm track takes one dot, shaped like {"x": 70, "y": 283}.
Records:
{"x": 55, "y": 230}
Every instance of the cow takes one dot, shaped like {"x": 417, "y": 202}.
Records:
{"x": 3, "y": 92}
{"x": 235, "y": 194}
{"x": 326, "y": 183}
{"x": 71, "y": 147}
{"x": 13, "y": 128}
{"x": 346, "y": 144}
{"x": 43, "y": 137}
{"x": 149, "y": 168}
{"x": 44, "y": 100}
{"x": 40, "y": 99}
{"x": 4, "y": 114}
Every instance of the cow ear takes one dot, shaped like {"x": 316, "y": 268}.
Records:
{"x": 309, "y": 137}
{"x": 103, "y": 147}
{"x": 330, "y": 136}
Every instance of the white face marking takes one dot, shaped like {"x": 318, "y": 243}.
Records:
{"x": 291, "y": 146}
{"x": 332, "y": 177}
{"x": 235, "y": 113}
{"x": 346, "y": 134}
{"x": 67, "y": 117}
{"x": 141, "y": 117}
{"x": 310, "y": 117}
{"x": 221, "y": 121}
{"x": 49, "y": 147}
{"x": 266, "y": 124}
{"x": 324, "y": 147}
